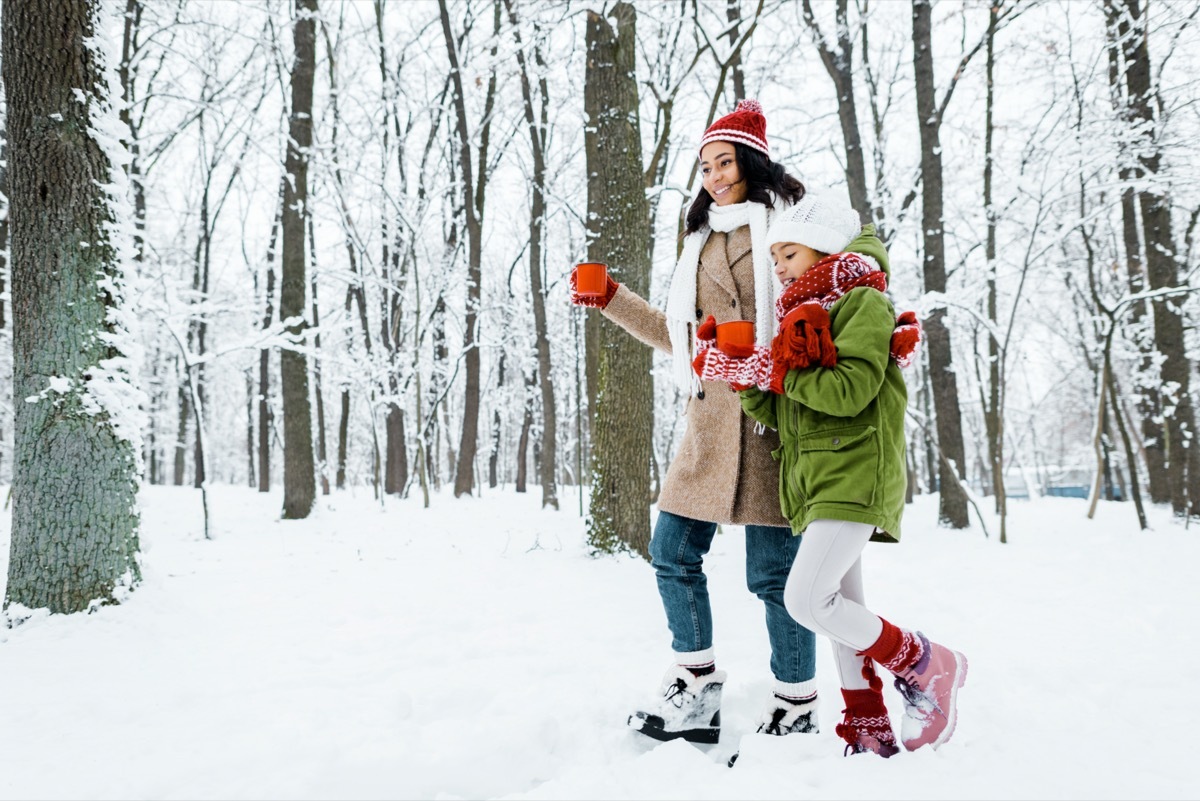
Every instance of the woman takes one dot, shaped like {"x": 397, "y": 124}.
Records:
{"x": 724, "y": 471}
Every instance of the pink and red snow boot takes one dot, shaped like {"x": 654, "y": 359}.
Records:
{"x": 928, "y": 676}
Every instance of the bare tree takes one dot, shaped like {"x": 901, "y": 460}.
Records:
{"x": 299, "y": 477}
{"x": 1143, "y": 115}
{"x": 538, "y": 124}
{"x": 474, "y": 186}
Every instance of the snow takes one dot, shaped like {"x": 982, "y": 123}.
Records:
{"x": 475, "y": 650}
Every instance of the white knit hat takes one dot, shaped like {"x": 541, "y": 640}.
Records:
{"x": 820, "y": 220}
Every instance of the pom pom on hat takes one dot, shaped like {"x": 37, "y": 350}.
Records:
{"x": 818, "y": 220}
{"x": 745, "y": 125}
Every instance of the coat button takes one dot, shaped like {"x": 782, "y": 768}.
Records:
{"x": 733, "y": 302}
{"x": 699, "y": 314}
{"x": 837, "y": 440}
{"x": 700, "y": 395}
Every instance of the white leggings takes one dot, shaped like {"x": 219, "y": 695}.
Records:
{"x": 824, "y": 593}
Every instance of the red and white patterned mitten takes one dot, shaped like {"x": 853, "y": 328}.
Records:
{"x": 905, "y": 338}
{"x": 740, "y": 373}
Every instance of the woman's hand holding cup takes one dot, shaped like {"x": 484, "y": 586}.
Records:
{"x": 591, "y": 285}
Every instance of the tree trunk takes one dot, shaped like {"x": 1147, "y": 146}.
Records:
{"x": 185, "y": 414}
{"x": 265, "y": 415}
{"x": 839, "y": 64}
{"x": 474, "y": 182}
{"x": 1162, "y": 269}
{"x": 299, "y": 476}
{"x": 619, "y": 223}
{"x": 538, "y": 129}
{"x": 1149, "y": 398}
{"x": 395, "y": 477}
{"x": 343, "y": 433}
{"x": 318, "y": 396}
{"x": 993, "y": 412}
{"x": 952, "y": 505}
{"x": 251, "y": 479}
{"x": 75, "y": 512}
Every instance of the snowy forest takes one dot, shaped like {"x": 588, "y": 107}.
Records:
{"x": 333, "y": 239}
{"x": 318, "y": 484}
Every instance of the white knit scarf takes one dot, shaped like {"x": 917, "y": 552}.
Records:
{"x": 681, "y": 298}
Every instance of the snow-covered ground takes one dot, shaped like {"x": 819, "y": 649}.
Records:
{"x": 475, "y": 650}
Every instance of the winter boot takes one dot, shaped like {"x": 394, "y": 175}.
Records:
{"x": 866, "y": 725}
{"x": 928, "y": 675}
{"x": 786, "y": 715}
{"x": 689, "y": 708}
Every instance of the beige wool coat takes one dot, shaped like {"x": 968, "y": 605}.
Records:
{"x": 723, "y": 471}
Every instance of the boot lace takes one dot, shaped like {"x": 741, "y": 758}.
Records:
{"x": 917, "y": 698}
{"x": 677, "y": 693}
{"x": 775, "y": 727}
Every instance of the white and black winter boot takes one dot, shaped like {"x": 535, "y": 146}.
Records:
{"x": 785, "y": 715}
{"x": 688, "y": 708}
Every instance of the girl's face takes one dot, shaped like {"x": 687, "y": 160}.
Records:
{"x": 721, "y": 174}
{"x": 793, "y": 260}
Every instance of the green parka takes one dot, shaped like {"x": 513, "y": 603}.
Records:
{"x": 841, "y": 429}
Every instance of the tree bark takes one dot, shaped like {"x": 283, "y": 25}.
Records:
{"x": 618, "y": 216}
{"x": 1149, "y": 398}
{"x": 839, "y": 64}
{"x": 538, "y": 130}
{"x": 265, "y": 415}
{"x": 75, "y": 512}
{"x": 1162, "y": 269}
{"x": 299, "y": 476}
{"x": 993, "y": 412}
{"x": 952, "y": 504}
{"x": 474, "y": 182}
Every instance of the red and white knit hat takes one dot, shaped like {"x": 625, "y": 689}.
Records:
{"x": 745, "y": 125}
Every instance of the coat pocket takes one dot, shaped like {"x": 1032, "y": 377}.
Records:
{"x": 839, "y": 465}
{"x": 786, "y": 493}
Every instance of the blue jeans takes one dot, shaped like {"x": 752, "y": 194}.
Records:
{"x": 677, "y": 552}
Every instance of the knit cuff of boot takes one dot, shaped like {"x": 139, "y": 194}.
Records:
{"x": 799, "y": 692}
{"x": 700, "y": 663}
{"x": 887, "y": 647}
{"x": 864, "y": 701}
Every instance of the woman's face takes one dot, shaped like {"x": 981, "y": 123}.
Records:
{"x": 721, "y": 174}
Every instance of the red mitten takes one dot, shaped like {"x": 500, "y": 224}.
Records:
{"x": 804, "y": 338}
{"x": 708, "y": 330}
{"x": 814, "y": 320}
{"x": 905, "y": 339}
{"x": 593, "y": 302}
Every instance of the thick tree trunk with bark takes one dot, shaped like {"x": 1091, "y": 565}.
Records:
{"x": 299, "y": 475}
{"x": 75, "y": 475}
{"x": 1162, "y": 268}
{"x": 952, "y": 507}
{"x": 618, "y": 216}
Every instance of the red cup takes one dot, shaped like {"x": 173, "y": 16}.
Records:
{"x": 736, "y": 338}
{"x": 591, "y": 279}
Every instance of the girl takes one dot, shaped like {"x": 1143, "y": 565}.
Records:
{"x": 831, "y": 385}
{"x": 723, "y": 471}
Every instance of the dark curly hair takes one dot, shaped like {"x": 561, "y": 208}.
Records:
{"x": 762, "y": 176}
